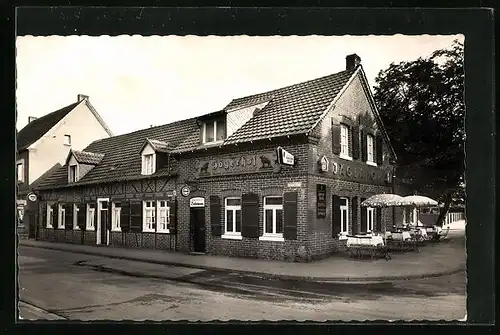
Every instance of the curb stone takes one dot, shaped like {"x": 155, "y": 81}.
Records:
{"x": 262, "y": 274}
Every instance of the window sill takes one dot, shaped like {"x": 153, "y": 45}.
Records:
{"x": 213, "y": 143}
{"x": 349, "y": 158}
{"x": 231, "y": 237}
{"x": 148, "y": 230}
{"x": 371, "y": 163}
{"x": 116, "y": 230}
{"x": 89, "y": 228}
{"x": 276, "y": 238}
{"x": 163, "y": 231}
{"x": 342, "y": 236}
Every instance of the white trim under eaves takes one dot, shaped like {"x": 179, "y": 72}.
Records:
{"x": 334, "y": 101}
{"x": 377, "y": 114}
{"x": 98, "y": 117}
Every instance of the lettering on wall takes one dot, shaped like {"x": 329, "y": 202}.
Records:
{"x": 355, "y": 171}
{"x": 243, "y": 164}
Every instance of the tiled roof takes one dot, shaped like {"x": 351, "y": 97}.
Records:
{"x": 160, "y": 146}
{"x": 292, "y": 110}
{"x": 39, "y": 127}
{"x": 86, "y": 157}
{"x": 122, "y": 160}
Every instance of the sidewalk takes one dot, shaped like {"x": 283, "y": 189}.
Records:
{"x": 434, "y": 259}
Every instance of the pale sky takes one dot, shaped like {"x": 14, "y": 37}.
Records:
{"x": 134, "y": 82}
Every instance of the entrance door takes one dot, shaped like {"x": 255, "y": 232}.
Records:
{"x": 102, "y": 222}
{"x": 198, "y": 226}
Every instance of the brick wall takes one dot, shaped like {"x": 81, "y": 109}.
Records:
{"x": 262, "y": 184}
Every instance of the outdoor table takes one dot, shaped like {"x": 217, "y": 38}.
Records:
{"x": 402, "y": 240}
{"x": 374, "y": 244}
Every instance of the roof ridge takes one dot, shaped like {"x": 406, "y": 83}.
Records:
{"x": 289, "y": 86}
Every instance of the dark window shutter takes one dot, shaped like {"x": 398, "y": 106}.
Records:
{"x": 355, "y": 142}
{"x": 355, "y": 225}
{"x": 250, "y": 215}
{"x": 201, "y": 133}
{"x": 43, "y": 215}
{"x": 125, "y": 216}
{"x": 290, "y": 215}
{"x": 109, "y": 217}
{"x": 364, "y": 154}
{"x": 379, "y": 149}
{"x": 172, "y": 222}
{"x": 96, "y": 214}
{"x": 335, "y": 216}
{"x": 378, "y": 221}
{"x": 68, "y": 216}
{"x": 364, "y": 213}
{"x": 335, "y": 138}
{"x": 81, "y": 215}
{"x": 215, "y": 215}
{"x": 136, "y": 216}
{"x": 55, "y": 215}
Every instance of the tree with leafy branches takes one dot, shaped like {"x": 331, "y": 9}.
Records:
{"x": 421, "y": 102}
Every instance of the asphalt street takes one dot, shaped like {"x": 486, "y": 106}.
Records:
{"x": 60, "y": 285}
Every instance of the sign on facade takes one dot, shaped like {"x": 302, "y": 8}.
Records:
{"x": 321, "y": 201}
{"x": 284, "y": 157}
{"x": 294, "y": 184}
{"x": 242, "y": 164}
{"x": 197, "y": 202}
{"x": 185, "y": 191}
{"x": 323, "y": 164}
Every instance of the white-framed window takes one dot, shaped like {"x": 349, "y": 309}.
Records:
{"x": 50, "y": 217}
{"x": 67, "y": 139}
{"x": 90, "y": 216}
{"x": 370, "y": 149}
{"x": 163, "y": 216}
{"x": 115, "y": 217}
{"x": 232, "y": 218}
{"x": 149, "y": 215}
{"x": 344, "y": 216}
{"x": 344, "y": 141}
{"x": 75, "y": 217}
{"x": 20, "y": 171}
{"x": 61, "y": 223}
{"x": 370, "y": 218}
{"x": 213, "y": 131}
{"x": 273, "y": 218}
{"x": 148, "y": 164}
{"x": 73, "y": 169}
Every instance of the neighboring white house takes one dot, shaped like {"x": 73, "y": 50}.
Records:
{"x": 44, "y": 143}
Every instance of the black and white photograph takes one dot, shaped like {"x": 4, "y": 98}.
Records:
{"x": 246, "y": 178}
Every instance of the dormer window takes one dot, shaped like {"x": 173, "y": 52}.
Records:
{"x": 214, "y": 131}
{"x": 73, "y": 176}
{"x": 148, "y": 165}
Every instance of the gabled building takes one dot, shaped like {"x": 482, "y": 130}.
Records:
{"x": 276, "y": 175}
{"x": 43, "y": 144}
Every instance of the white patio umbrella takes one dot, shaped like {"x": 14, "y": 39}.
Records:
{"x": 383, "y": 200}
{"x": 417, "y": 201}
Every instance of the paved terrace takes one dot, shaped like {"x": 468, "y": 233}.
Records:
{"x": 434, "y": 259}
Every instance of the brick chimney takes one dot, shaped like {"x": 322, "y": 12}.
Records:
{"x": 31, "y": 118}
{"x": 352, "y": 61}
{"x": 82, "y": 97}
